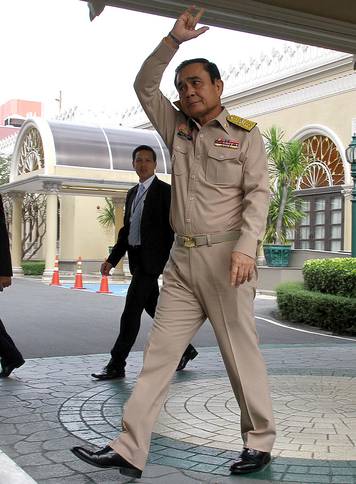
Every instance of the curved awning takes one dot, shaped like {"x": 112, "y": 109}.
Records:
{"x": 78, "y": 158}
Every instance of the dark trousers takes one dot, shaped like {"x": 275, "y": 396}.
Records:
{"x": 142, "y": 295}
{"x": 8, "y": 351}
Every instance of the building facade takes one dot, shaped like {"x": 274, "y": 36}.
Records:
{"x": 309, "y": 92}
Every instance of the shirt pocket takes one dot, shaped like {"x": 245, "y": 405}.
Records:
{"x": 179, "y": 159}
{"x": 223, "y": 166}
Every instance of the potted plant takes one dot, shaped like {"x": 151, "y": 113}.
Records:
{"x": 286, "y": 164}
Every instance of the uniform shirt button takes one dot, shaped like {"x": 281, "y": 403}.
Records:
{"x": 187, "y": 219}
{"x": 193, "y": 177}
{"x": 191, "y": 198}
{"x": 201, "y": 136}
{"x": 221, "y": 157}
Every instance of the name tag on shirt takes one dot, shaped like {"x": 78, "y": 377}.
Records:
{"x": 227, "y": 143}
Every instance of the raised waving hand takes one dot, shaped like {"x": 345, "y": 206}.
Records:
{"x": 185, "y": 27}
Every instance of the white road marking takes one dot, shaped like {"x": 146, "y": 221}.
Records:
{"x": 304, "y": 330}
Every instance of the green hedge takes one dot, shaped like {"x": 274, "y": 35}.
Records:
{"x": 33, "y": 268}
{"x": 331, "y": 276}
{"x": 327, "y": 311}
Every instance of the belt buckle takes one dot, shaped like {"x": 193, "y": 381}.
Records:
{"x": 189, "y": 242}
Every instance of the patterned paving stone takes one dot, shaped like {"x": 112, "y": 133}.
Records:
{"x": 325, "y": 428}
{"x": 53, "y": 405}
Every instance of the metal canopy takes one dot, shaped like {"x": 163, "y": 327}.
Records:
{"x": 104, "y": 148}
{"x": 79, "y": 159}
{"x": 323, "y": 23}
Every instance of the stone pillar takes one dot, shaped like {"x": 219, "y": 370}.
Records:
{"x": 16, "y": 232}
{"x": 52, "y": 190}
{"x": 119, "y": 203}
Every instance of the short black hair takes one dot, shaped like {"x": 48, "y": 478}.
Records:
{"x": 146, "y": 148}
{"x": 210, "y": 67}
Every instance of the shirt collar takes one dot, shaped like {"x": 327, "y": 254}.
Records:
{"x": 220, "y": 119}
{"x": 147, "y": 183}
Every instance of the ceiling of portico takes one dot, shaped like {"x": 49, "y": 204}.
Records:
{"x": 323, "y": 23}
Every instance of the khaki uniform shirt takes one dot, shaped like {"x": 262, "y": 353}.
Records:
{"x": 215, "y": 189}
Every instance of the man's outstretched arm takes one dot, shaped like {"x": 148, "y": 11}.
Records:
{"x": 158, "y": 108}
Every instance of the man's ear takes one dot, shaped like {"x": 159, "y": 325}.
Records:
{"x": 220, "y": 86}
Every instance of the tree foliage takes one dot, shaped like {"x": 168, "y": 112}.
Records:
{"x": 106, "y": 216}
{"x": 286, "y": 164}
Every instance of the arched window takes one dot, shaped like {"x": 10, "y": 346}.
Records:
{"x": 31, "y": 155}
{"x": 319, "y": 194}
{"x": 325, "y": 168}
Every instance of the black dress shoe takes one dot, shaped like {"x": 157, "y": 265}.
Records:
{"x": 8, "y": 368}
{"x": 189, "y": 354}
{"x": 109, "y": 373}
{"x": 107, "y": 458}
{"x": 250, "y": 460}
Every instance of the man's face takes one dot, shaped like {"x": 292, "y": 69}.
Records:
{"x": 144, "y": 165}
{"x": 199, "y": 96}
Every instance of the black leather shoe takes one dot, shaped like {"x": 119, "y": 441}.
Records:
{"x": 250, "y": 460}
{"x": 187, "y": 356}
{"x": 8, "y": 368}
{"x": 107, "y": 458}
{"x": 109, "y": 373}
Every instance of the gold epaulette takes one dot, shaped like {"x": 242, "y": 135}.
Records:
{"x": 241, "y": 122}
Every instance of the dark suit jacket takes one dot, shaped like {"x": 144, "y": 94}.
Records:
{"x": 5, "y": 257}
{"x": 156, "y": 233}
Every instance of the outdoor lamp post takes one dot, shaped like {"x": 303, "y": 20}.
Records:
{"x": 351, "y": 158}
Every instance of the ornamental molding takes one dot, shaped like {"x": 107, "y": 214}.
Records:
{"x": 51, "y": 188}
{"x": 7, "y": 144}
{"x": 292, "y": 62}
{"x": 135, "y": 116}
{"x": 347, "y": 192}
{"x": 98, "y": 118}
{"x": 275, "y": 69}
{"x": 16, "y": 195}
{"x": 119, "y": 201}
{"x": 295, "y": 97}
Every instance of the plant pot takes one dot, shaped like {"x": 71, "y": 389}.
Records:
{"x": 277, "y": 255}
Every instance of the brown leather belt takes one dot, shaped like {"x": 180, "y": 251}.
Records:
{"x": 191, "y": 241}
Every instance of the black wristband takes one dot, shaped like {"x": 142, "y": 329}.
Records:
{"x": 174, "y": 38}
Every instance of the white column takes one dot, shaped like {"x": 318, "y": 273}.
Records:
{"x": 16, "y": 232}
{"x": 347, "y": 193}
{"x": 119, "y": 222}
{"x": 52, "y": 190}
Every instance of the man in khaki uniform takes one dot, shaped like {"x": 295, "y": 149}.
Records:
{"x": 218, "y": 212}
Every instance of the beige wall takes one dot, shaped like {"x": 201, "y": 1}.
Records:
{"x": 335, "y": 112}
{"x": 81, "y": 233}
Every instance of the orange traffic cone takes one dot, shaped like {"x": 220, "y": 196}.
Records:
{"x": 78, "y": 283}
{"x": 55, "y": 275}
{"x": 104, "y": 286}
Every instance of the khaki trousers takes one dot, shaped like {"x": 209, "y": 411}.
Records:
{"x": 195, "y": 287}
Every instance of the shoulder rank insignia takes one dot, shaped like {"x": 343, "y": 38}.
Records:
{"x": 241, "y": 122}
